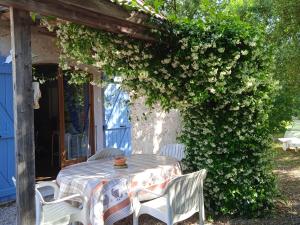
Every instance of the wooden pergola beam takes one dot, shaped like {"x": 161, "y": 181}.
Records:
{"x": 81, "y": 12}
{"x": 23, "y": 115}
{"x": 35, "y": 26}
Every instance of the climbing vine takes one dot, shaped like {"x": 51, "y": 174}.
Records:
{"x": 216, "y": 72}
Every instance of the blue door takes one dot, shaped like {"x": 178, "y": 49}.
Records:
{"x": 7, "y": 153}
{"x": 117, "y": 124}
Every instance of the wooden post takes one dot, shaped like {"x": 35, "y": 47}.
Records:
{"x": 23, "y": 115}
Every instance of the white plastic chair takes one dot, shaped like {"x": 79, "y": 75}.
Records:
{"x": 173, "y": 150}
{"x": 106, "y": 153}
{"x": 58, "y": 211}
{"x": 183, "y": 197}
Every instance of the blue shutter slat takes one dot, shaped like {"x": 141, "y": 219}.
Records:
{"x": 117, "y": 125}
{"x": 7, "y": 153}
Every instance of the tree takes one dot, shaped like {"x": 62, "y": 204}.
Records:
{"x": 281, "y": 19}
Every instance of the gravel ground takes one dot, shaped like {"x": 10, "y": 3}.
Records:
{"x": 8, "y": 214}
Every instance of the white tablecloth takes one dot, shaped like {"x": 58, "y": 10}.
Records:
{"x": 109, "y": 190}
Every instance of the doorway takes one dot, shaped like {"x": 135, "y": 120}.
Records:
{"x": 77, "y": 140}
{"x": 64, "y": 122}
{"x": 46, "y": 123}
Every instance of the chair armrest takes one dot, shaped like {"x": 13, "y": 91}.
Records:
{"x": 93, "y": 157}
{"x": 145, "y": 190}
{"x": 136, "y": 202}
{"x": 70, "y": 197}
{"x": 49, "y": 184}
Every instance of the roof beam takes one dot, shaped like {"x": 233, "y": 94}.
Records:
{"x": 81, "y": 12}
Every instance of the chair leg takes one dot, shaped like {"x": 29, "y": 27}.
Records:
{"x": 201, "y": 206}
{"x": 201, "y": 215}
{"x": 201, "y": 220}
{"x": 135, "y": 219}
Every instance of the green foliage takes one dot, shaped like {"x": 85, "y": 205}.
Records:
{"x": 286, "y": 38}
{"x": 216, "y": 72}
{"x": 187, "y": 9}
{"x": 281, "y": 19}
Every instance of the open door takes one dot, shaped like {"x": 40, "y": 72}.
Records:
{"x": 76, "y": 122}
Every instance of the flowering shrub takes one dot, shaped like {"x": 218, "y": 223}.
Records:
{"x": 216, "y": 73}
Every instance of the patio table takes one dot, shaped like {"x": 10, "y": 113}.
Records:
{"x": 109, "y": 189}
{"x": 290, "y": 142}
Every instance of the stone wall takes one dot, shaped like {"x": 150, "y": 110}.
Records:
{"x": 157, "y": 129}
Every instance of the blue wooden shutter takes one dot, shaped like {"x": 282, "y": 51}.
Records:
{"x": 117, "y": 124}
{"x": 7, "y": 152}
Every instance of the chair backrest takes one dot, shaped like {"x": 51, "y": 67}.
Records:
{"x": 185, "y": 195}
{"x": 106, "y": 153}
{"x": 39, "y": 200}
{"x": 173, "y": 150}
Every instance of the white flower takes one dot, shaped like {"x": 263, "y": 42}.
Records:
{"x": 185, "y": 67}
{"x": 183, "y": 47}
{"x": 211, "y": 80}
{"x": 209, "y": 161}
{"x": 195, "y": 66}
{"x": 214, "y": 72}
{"x": 175, "y": 64}
{"x": 195, "y": 48}
{"x": 163, "y": 70}
{"x": 212, "y": 90}
{"x": 235, "y": 108}
{"x": 195, "y": 56}
{"x": 249, "y": 84}
{"x": 244, "y": 52}
{"x": 237, "y": 57}
{"x": 221, "y": 50}
{"x": 222, "y": 73}
{"x": 166, "y": 61}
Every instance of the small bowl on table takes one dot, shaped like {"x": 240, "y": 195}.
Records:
{"x": 120, "y": 162}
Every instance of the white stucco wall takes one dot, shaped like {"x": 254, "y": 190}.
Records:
{"x": 44, "y": 48}
{"x": 159, "y": 128}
